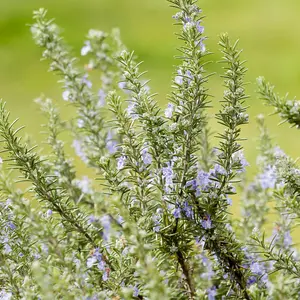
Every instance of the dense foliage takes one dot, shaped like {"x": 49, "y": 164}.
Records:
{"x": 156, "y": 222}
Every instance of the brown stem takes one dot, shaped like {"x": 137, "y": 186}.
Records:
{"x": 187, "y": 273}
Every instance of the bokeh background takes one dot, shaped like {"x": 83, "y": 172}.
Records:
{"x": 268, "y": 30}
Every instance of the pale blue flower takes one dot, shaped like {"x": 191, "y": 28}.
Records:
{"x": 111, "y": 144}
{"x": 238, "y": 157}
{"x": 101, "y": 98}
{"x": 187, "y": 209}
{"x": 201, "y": 182}
{"x": 146, "y": 156}
{"x": 268, "y": 178}
{"x": 105, "y": 275}
{"x": 168, "y": 175}
{"x": 122, "y": 85}
{"x": 105, "y": 222}
{"x": 206, "y": 222}
{"x": 179, "y": 78}
{"x": 287, "y": 239}
{"x": 84, "y": 185}
{"x": 86, "y": 82}
{"x": 4, "y": 295}
{"x": 11, "y": 225}
{"x": 131, "y": 110}
{"x": 49, "y": 213}
{"x": 91, "y": 261}
{"x": 177, "y": 213}
{"x": 66, "y": 95}
{"x": 156, "y": 219}
{"x": 211, "y": 293}
{"x": 86, "y": 48}
{"x": 199, "y": 27}
{"x": 135, "y": 291}
{"x": 7, "y": 248}
{"x": 121, "y": 162}
{"x": 101, "y": 265}
{"x": 218, "y": 170}
{"x": 77, "y": 145}
{"x": 169, "y": 111}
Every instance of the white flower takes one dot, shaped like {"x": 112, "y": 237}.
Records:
{"x": 86, "y": 48}
{"x": 169, "y": 110}
{"x": 90, "y": 261}
{"x": 66, "y": 94}
{"x": 5, "y": 296}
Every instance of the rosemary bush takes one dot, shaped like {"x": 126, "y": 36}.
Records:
{"x": 156, "y": 222}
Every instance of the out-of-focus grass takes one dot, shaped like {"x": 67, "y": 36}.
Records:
{"x": 268, "y": 31}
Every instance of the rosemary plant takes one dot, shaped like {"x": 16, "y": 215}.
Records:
{"x": 156, "y": 222}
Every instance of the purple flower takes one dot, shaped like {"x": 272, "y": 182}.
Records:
{"x": 229, "y": 200}
{"x": 169, "y": 110}
{"x": 238, "y": 157}
{"x": 131, "y": 110}
{"x": 49, "y": 213}
{"x": 92, "y": 219}
{"x": 189, "y": 76}
{"x": 77, "y": 145}
{"x": 111, "y": 145}
{"x": 156, "y": 228}
{"x": 11, "y": 225}
{"x": 146, "y": 157}
{"x": 5, "y": 295}
{"x": 7, "y": 248}
{"x": 211, "y": 293}
{"x": 105, "y": 222}
{"x": 168, "y": 176}
{"x": 105, "y": 275}
{"x": 96, "y": 257}
{"x": 202, "y": 45}
{"x": 200, "y": 242}
{"x": 45, "y": 248}
{"x": 268, "y": 178}
{"x": 218, "y": 170}
{"x": 202, "y": 180}
{"x": 91, "y": 261}
{"x": 199, "y": 27}
{"x": 121, "y": 162}
{"x": 122, "y": 85}
{"x": 287, "y": 239}
{"x": 179, "y": 78}
{"x": 177, "y": 213}
{"x": 156, "y": 219}
{"x": 256, "y": 268}
{"x": 120, "y": 220}
{"x": 206, "y": 222}
{"x": 278, "y": 152}
{"x": 200, "y": 183}
{"x": 101, "y": 265}
{"x": 86, "y": 82}
{"x": 101, "y": 98}
{"x": 135, "y": 291}
{"x": 84, "y": 185}
{"x": 209, "y": 267}
{"x": 188, "y": 211}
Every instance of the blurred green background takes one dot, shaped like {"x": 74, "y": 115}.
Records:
{"x": 268, "y": 31}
